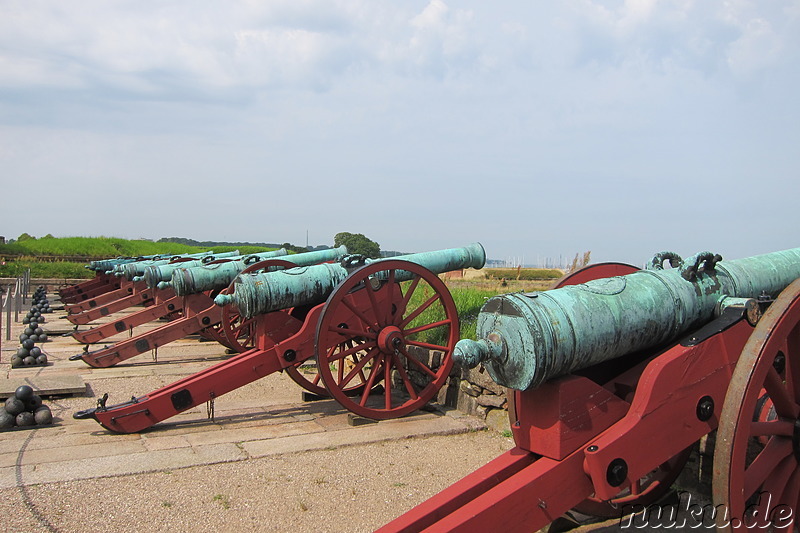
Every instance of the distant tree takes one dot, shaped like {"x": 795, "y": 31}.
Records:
{"x": 48, "y": 236}
{"x": 292, "y": 248}
{"x": 357, "y": 243}
{"x": 25, "y": 237}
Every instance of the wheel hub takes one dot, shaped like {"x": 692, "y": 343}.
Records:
{"x": 390, "y": 339}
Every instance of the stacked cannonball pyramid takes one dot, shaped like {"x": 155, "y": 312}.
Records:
{"x": 24, "y": 409}
{"x": 29, "y": 354}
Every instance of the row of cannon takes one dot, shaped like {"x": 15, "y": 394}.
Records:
{"x": 348, "y": 319}
{"x": 613, "y": 376}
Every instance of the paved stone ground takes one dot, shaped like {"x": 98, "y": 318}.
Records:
{"x": 263, "y": 421}
{"x": 267, "y": 461}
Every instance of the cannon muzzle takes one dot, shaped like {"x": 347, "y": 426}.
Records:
{"x": 527, "y": 339}
{"x": 256, "y": 294}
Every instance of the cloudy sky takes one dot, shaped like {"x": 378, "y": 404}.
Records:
{"x": 540, "y": 129}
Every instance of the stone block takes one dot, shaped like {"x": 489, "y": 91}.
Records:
{"x": 491, "y": 400}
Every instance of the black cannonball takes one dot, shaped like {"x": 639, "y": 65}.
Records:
{"x": 35, "y": 351}
{"x": 26, "y": 320}
{"x": 38, "y": 331}
{"x": 22, "y": 337}
{"x": 16, "y": 362}
{"x": 28, "y": 331}
{"x": 29, "y": 361}
{"x": 43, "y": 415}
{"x": 34, "y": 337}
{"x": 34, "y": 309}
{"x": 33, "y": 403}
{"x": 14, "y": 406}
{"x": 25, "y": 418}
{"x": 23, "y": 352}
{"x": 41, "y": 359}
{"x": 7, "y": 420}
{"x": 23, "y": 392}
{"x": 28, "y": 343}
{"x": 33, "y": 324}
{"x": 37, "y": 314}
{"x": 43, "y": 337}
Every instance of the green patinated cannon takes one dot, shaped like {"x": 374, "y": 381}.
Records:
{"x": 218, "y": 276}
{"x": 359, "y": 319}
{"x": 527, "y": 339}
{"x": 133, "y": 270}
{"x": 106, "y": 265}
{"x": 116, "y": 266}
{"x": 155, "y": 274}
{"x": 260, "y": 293}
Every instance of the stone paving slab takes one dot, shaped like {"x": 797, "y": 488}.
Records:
{"x": 44, "y": 386}
{"x": 264, "y": 418}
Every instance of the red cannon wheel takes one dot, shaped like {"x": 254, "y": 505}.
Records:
{"x": 756, "y": 459}
{"x": 311, "y": 380}
{"x": 367, "y": 329}
{"x": 239, "y": 333}
{"x": 655, "y": 484}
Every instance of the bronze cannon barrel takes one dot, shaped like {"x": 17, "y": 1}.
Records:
{"x": 256, "y": 294}
{"x": 527, "y": 339}
{"x": 214, "y": 277}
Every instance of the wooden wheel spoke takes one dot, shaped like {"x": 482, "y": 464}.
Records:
{"x": 353, "y": 332}
{"x": 791, "y": 350}
{"x": 242, "y": 326}
{"x": 401, "y": 310}
{"x": 776, "y": 483}
{"x": 390, "y": 287}
{"x": 418, "y": 311}
{"x": 358, "y": 368}
{"x": 785, "y": 406}
{"x": 387, "y": 382}
{"x": 336, "y": 356}
{"x": 369, "y": 324}
{"x": 426, "y": 345}
{"x": 412, "y": 392}
{"x": 426, "y": 327}
{"x": 376, "y": 308}
{"x": 765, "y": 464}
{"x": 371, "y": 380}
{"x": 382, "y": 315}
{"x": 791, "y": 494}
{"x": 773, "y": 427}
{"x": 417, "y": 363}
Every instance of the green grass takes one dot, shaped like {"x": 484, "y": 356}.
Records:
{"x": 108, "y": 247}
{"x": 468, "y": 304}
{"x": 22, "y": 255}
{"x": 523, "y": 273}
{"x": 42, "y": 270}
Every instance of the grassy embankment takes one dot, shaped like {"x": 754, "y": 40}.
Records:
{"x": 31, "y": 253}
{"x": 472, "y": 291}
{"x": 469, "y": 293}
